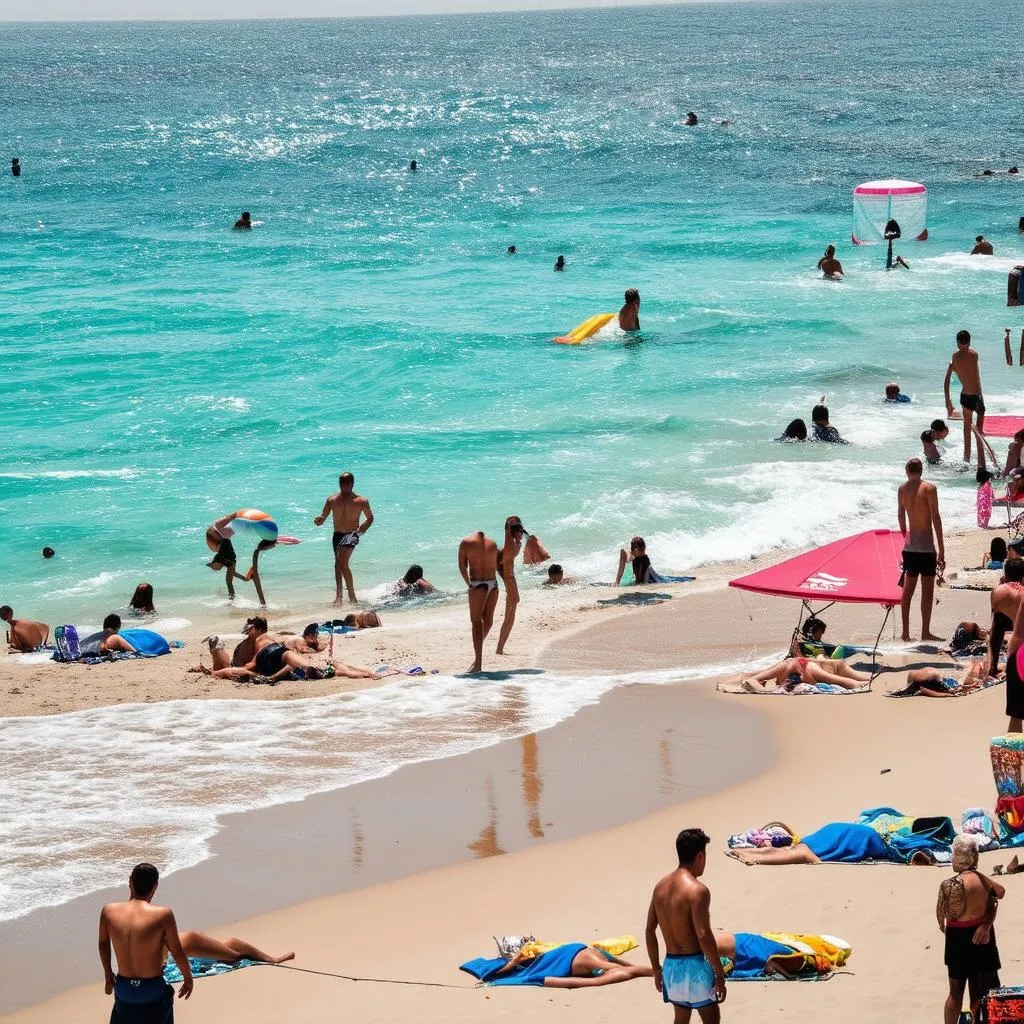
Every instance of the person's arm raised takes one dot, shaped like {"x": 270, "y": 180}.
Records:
{"x": 173, "y": 943}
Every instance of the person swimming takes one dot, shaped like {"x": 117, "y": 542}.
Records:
{"x": 413, "y": 166}
{"x": 629, "y": 315}
{"x": 822, "y": 429}
{"x": 15, "y": 167}
{"x": 829, "y": 265}
{"x": 691, "y": 119}
{"x": 795, "y": 431}
{"x": 560, "y": 263}
{"x": 893, "y": 393}
{"x": 244, "y": 223}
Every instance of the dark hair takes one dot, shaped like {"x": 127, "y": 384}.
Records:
{"x": 689, "y": 843}
{"x": 346, "y": 478}
{"x": 963, "y": 337}
{"x": 641, "y": 566}
{"x": 112, "y": 621}
{"x": 928, "y": 436}
{"x": 632, "y": 295}
{"x": 48, "y": 552}
{"x": 266, "y": 545}
{"x": 313, "y": 629}
{"x": 983, "y": 476}
{"x": 819, "y": 412}
{"x": 1020, "y": 224}
{"x": 939, "y": 425}
{"x": 796, "y": 431}
{"x": 6, "y": 610}
{"x": 638, "y": 542}
{"x": 812, "y": 622}
{"x": 997, "y": 550}
{"x": 144, "y": 878}
{"x": 914, "y": 467}
{"x": 512, "y": 522}
{"x": 413, "y": 575}
{"x": 258, "y": 622}
{"x": 349, "y": 620}
{"x": 554, "y": 569}
{"x": 142, "y": 599}
{"x": 980, "y": 238}
{"x": 1013, "y": 570}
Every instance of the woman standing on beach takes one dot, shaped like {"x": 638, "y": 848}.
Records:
{"x": 514, "y": 533}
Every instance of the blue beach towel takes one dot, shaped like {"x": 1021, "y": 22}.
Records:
{"x": 557, "y": 963}
{"x": 203, "y": 968}
{"x": 843, "y": 842}
{"x": 752, "y": 954}
{"x": 146, "y": 642}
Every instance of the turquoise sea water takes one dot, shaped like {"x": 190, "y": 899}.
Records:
{"x": 159, "y": 370}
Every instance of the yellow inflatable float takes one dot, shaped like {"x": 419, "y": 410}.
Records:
{"x": 579, "y": 334}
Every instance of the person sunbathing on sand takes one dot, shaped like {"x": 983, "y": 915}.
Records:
{"x": 227, "y": 951}
{"x": 793, "y": 671}
{"x": 839, "y": 842}
{"x": 23, "y": 634}
{"x": 590, "y": 967}
{"x": 931, "y": 682}
{"x": 362, "y": 620}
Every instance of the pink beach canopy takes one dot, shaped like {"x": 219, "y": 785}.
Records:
{"x": 875, "y": 203}
{"x": 863, "y": 569}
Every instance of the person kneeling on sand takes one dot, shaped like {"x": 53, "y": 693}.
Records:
{"x": 793, "y": 672}
{"x": 23, "y": 634}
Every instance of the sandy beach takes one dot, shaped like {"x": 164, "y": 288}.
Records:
{"x": 584, "y": 824}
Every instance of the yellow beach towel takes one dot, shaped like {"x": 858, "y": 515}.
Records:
{"x": 616, "y": 947}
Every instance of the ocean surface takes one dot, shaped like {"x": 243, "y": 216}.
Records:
{"x": 160, "y": 370}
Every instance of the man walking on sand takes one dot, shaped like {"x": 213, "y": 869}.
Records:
{"x": 347, "y": 509}
{"x": 478, "y": 564}
{"x": 691, "y": 977}
{"x": 918, "y": 503}
{"x": 964, "y": 363}
{"x": 142, "y": 935}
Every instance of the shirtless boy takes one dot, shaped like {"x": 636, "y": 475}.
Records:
{"x": 1005, "y": 600}
{"x": 478, "y": 564}
{"x": 918, "y": 504}
{"x": 142, "y": 935}
{"x": 691, "y": 977}
{"x": 514, "y": 534}
{"x": 964, "y": 363}
{"x": 629, "y": 315}
{"x": 347, "y": 509}
{"x": 829, "y": 265}
{"x": 23, "y": 634}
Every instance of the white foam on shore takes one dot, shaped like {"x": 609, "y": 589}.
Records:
{"x": 87, "y": 794}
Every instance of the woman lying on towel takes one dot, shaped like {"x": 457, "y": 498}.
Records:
{"x": 793, "y": 672}
{"x": 229, "y": 951}
{"x": 931, "y": 682}
{"x": 574, "y": 965}
{"x": 841, "y": 842}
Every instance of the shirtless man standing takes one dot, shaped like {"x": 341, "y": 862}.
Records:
{"x": 691, "y": 977}
{"x": 478, "y": 563}
{"x": 24, "y": 634}
{"x": 142, "y": 935}
{"x": 1006, "y": 602}
{"x": 918, "y": 501}
{"x": 347, "y": 509}
{"x": 1015, "y": 670}
{"x": 964, "y": 364}
{"x": 514, "y": 533}
{"x": 629, "y": 315}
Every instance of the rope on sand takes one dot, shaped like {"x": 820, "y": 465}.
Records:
{"x": 380, "y": 981}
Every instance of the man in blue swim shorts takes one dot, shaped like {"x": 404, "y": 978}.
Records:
{"x": 691, "y": 978}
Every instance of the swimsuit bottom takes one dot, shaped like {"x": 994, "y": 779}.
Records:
{"x": 344, "y": 540}
{"x": 688, "y": 980}
{"x": 973, "y": 402}
{"x": 919, "y": 563}
{"x": 270, "y": 660}
{"x": 487, "y": 585}
{"x": 142, "y": 1001}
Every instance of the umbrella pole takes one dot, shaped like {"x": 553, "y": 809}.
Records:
{"x": 875, "y": 669}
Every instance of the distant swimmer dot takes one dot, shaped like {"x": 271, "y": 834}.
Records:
{"x": 48, "y": 552}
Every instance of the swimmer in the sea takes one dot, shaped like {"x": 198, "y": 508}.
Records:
{"x": 560, "y": 263}
{"x": 893, "y": 393}
{"x": 938, "y": 431}
{"x": 822, "y": 429}
{"x": 244, "y": 223}
{"x": 413, "y": 165}
{"x": 829, "y": 265}
{"x": 982, "y": 247}
{"x": 629, "y": 315}
{"x": 899, "y": 261}
{"x": 15, "y": 167}
{"x": 512, "y": 250}
{"x": 691, "y": 119}
{"x": 48, "y": 552}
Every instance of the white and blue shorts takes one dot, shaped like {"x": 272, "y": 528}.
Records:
{"x": 688, "y": 980}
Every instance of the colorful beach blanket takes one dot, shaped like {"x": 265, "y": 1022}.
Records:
{"x": 951, "y": 686}
{"x": 556, "y": 963}
{"x": 203, "y": 968}
{"x": 799, "y": 690}
{"x": 785, "y": 956}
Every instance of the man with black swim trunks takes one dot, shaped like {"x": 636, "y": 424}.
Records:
{"x": 1015, "y": 670}
{"x": 347, "y": 509}
{"x": 1006, "y": 602}
{"x": 964, "y": 363}
{"x": 918, "y": 502}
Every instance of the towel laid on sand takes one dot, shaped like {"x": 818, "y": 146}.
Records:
{"x": 203, "y": 968}
{"x": 949, "y": 684}
{"x": 801, "y": 957}
{"x": 799, "y": 690}
{"x": 556, "y": 963}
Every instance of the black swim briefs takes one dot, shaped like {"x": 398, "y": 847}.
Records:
{"x": 1014, "y": 688}
{"x": 973, "y": 402}
{"x": 344, "y": 540}
{"x": 919, "y": 563}
{"x": 225, "y": 553}
{"x": 976, "y": 964}
{"x": 142, "y": 1001}
{"x": 270, "y": 660}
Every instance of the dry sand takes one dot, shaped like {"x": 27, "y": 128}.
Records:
{"x": 830, "y": 753}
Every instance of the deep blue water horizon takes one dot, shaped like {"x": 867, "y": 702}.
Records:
{"x": 160, "y": 370}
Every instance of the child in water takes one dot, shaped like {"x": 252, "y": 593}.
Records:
{"x": 984, "y": 501}
{"x": 938, "y": 431}
{"x": 893, "y": 393}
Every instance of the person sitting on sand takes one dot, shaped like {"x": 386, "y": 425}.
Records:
{"x": 414, "y": 583}
{"x": 838, "y": 842}
{"x": 142, "y": 600}
{"x": 822, "y": 428}
{"x": 362, "y": 620}
{"x": 968, "y": 638}
{"x": 24, "y": 635}
{"x": 589, "y": 967}
{"x": 829, "y": 265}
{"x": 629, "y": 315}
{"x": 796, "y": 431}
{"x": 982, "y": 247}
{"x": 811, "y": 632}
{"x": 996, "y": 556}
{"x": 966, "y": 911}
{"x": 893, "y": 393}
{"x": 792, "y": 672}
{"x": 643, "y": 571}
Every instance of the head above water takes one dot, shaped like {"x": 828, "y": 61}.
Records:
{"x": 246, "y": 217}
{"x": 830, "y": 250}
{"x": 819, "y": 414}
{"x": 413, "y": 574}
{"x": 48, "y": 552}
{"x": 965, "y": 854}
{"x": 112, "y": 621}
{"x": 555, "y": 573}
{"x": 632, "y": 295}
{"x": 796, "y": 431}
{"x": 914, "y": 468}
{"x": 691, "y": 845}
{"x": 346, "y": 482}
{"x": 892, "y": 390}
{"x": 940, "y": 430}
{"x": 980, "y": 238}
{"x": 560, "y": 263}
{"x": 512, "y": 250}
{"x": 142, "y": 599}
{"x": 963, "y": 337}
{"x": 413, "y": 165}
{"x": 143, "y": 880}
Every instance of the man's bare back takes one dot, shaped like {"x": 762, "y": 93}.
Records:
{"x": 26, "y": 635}
{"x": 138, "y": 932}
{"x": 674, "y": 900}
{"x": 918, "y": 499}
{"x": 965, "y": 365}
{"x": 479, "y": 555}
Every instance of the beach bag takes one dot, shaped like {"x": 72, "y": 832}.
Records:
{"x": 65, "y": 639}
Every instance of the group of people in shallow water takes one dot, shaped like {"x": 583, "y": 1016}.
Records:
{"x": 821, "y": 428}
